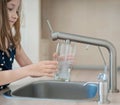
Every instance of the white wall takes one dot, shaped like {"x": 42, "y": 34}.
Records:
{"x": 31, "y": 28}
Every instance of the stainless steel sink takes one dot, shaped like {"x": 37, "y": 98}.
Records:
{"x": 58, "y": 90}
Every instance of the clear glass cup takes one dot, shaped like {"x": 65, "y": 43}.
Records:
{"x": 65, "y": 55}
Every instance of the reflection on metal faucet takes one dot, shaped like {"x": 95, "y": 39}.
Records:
{"x": 97, "y": 42}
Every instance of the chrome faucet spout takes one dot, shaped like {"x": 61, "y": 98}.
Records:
{"x": 96, "y": 42}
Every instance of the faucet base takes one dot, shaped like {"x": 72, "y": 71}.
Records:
{"x": 103, "y": 102}
{"x": 114, "y": 91}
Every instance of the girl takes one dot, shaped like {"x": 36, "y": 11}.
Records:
{"x": 11, "y": 48}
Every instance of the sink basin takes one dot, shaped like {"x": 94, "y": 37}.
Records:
{"x": 57, "y": 90}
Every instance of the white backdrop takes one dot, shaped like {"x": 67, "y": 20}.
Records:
{"x": 30, "y": 28}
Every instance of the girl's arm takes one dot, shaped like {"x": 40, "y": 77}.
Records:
{"x": 43, "y": 68}
{"x": 21, "y": 57}
{"x": 9, "y": 76}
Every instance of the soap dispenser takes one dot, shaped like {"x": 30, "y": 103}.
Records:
{"x": 103, "y": 88}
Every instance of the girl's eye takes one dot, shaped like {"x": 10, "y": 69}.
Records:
{"x": 10, "y": 9}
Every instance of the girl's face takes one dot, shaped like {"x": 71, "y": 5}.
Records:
{"x": 12, "y": 7}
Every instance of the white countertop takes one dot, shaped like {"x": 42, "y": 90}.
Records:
{"x": 77, "y": 75}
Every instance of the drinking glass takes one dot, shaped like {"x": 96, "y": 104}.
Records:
{"x": 65, "y": 56}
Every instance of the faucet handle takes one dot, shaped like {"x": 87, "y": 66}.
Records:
{"x": 102, "y": 77}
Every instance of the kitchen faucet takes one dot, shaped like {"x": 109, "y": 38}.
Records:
{"x": 96, "y": 42}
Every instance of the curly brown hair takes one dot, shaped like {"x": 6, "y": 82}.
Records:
{"x": 6, "y": 36}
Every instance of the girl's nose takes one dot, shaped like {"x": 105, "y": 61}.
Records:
{"x": 15, "y": 15}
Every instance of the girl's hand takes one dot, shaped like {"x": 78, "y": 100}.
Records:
{"x": 43, "y": 68}
{"x": 68, "y": 58}
{"x": 55, "y": 56}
